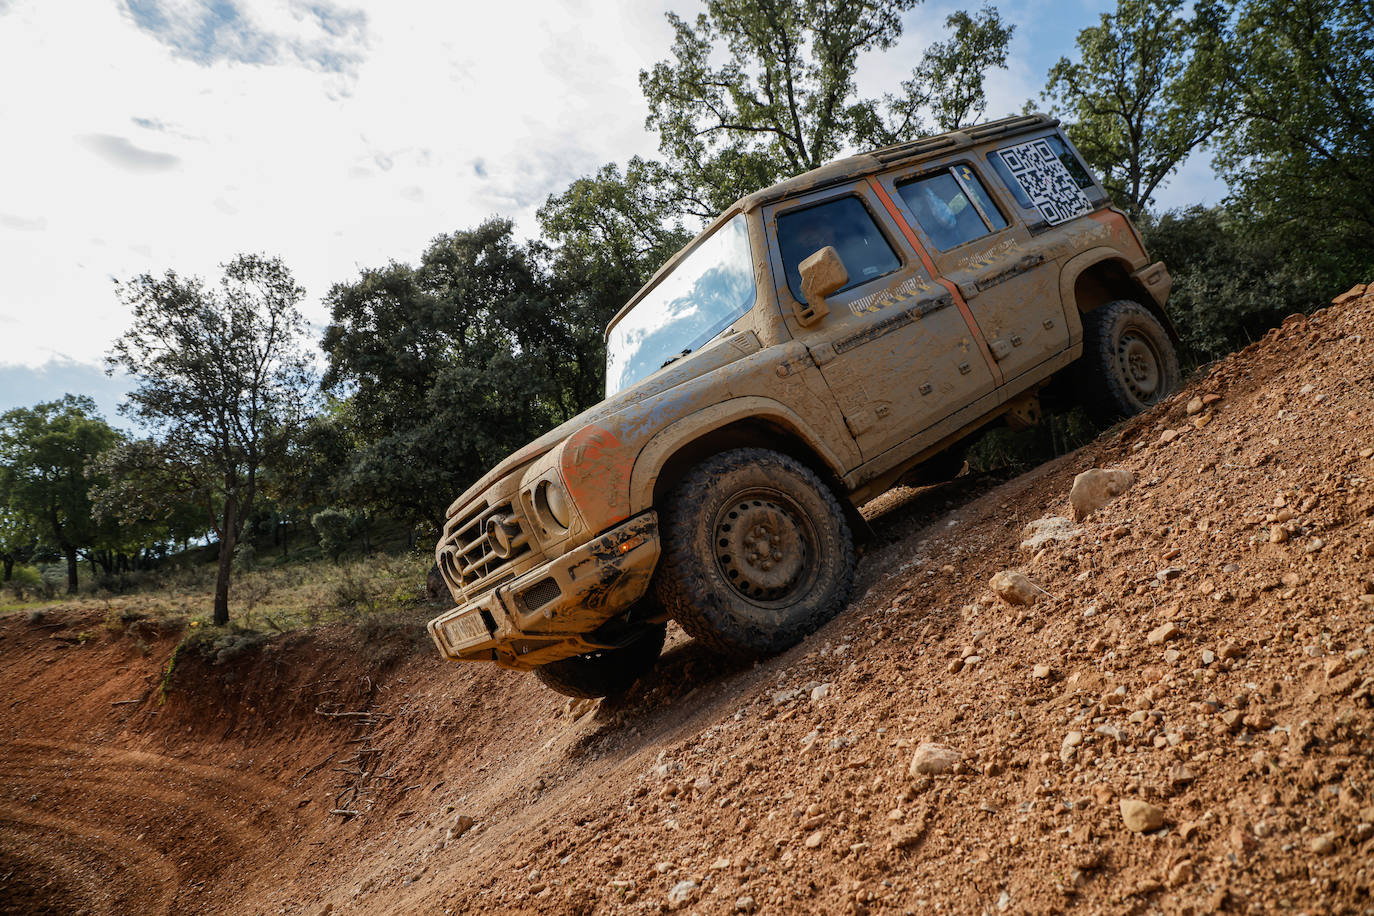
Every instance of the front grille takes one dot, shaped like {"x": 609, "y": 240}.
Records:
{"x": 480, "y": 543}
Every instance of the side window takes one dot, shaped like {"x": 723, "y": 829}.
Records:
{"x": 847, "y": 225}
{"x": 1045, "y": 175}
{"x": 952, "y": 207}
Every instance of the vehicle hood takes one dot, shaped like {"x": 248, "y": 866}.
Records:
{"x": 721, "y": 352}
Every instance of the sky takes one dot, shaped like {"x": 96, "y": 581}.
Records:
{"x": 149, "y": 135}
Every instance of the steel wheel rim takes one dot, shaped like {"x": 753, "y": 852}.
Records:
{"x": 1142, "y": 367}
{"x": 766, "y": 546}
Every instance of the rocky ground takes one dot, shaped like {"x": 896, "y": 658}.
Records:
{"x": 1164, "y": 706}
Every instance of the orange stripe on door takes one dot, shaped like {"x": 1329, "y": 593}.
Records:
{"x": 938, "y": 278}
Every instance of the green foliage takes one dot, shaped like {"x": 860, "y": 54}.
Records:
{"x": 1299, "y": 153}
{"x": 222, "y": 384}
{"x": 333, "y": 527}
{"x": 1143, "y": 93}
{"x": 947, "y": 83}
{"x": 1232, "y": 281}
{"x": 449, "y": 366}
{"x": 45, "y": 478}
{"x": 757, "y": 90}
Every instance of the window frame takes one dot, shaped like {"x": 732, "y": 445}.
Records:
{"x": 891, "y": 182}
{"x": 860, "y": 189}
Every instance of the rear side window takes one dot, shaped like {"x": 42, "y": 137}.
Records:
{"x": 844, "y": 224}
{"x": 1044, "y": 175}
{"x": 952, "y": 207}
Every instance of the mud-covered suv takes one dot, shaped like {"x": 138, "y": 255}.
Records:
{"x": 820, "y": 341}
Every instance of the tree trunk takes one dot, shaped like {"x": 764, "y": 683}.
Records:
{"x": 71, "y": 570}
{"x": 9, "y": 569}
{"x": 226, "y": 562}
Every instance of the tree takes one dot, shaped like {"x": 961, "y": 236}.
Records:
{"x": 948, "y": 83}
{"x": 45, "y": 457}
{"x": 221, "y": 383}
{"x": 1299, "y": 154}
{"x": 18, "y": 540}
{"x": 1232, "y": 280}
{"x": 760, "y": 89}
{"x": 448, "y": 366}
{"x": 1144, "y": 93}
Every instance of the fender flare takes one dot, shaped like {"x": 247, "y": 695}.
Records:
{"x": 667, "y": 441}
{"x": 1068, "y": 279}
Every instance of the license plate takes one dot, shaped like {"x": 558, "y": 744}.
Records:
{"x": 467, "y": 629}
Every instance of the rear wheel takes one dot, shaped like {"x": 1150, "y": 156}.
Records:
{"x": 1128, "y": 359}
{"x": 756, "y": 552}
{"x": 607, "y": 671}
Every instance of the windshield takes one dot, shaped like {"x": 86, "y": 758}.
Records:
{"x": 702, "y": 296}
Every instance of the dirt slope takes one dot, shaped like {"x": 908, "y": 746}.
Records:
{"x": 1190, "y": 658}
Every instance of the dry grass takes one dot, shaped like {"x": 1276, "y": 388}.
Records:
{"x": 276, "y": 597}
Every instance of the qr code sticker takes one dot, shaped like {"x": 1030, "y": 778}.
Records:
{"x": 1047, "y": 182}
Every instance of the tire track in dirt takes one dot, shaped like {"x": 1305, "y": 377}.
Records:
{"x": 128, "y": 826}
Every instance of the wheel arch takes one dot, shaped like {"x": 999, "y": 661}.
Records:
{"x": 1102, "y": 275}
{"x": 737, "y": 423}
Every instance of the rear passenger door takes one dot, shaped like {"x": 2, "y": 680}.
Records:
{"x": 999, "y": 267}
{"x": 894, "y": 350}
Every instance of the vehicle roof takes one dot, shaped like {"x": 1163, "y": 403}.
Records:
{"x": 847, "y": 169}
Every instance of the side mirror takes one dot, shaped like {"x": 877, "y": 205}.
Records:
{"x": 821, "y": 274}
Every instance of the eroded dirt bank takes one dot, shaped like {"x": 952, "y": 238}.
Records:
{"x": 1200, "y": 644}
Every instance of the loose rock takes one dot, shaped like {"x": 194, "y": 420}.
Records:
{"x": 1014, "y": 588}
{"x": 1141, "y": 816}
{"x": 1162, "y": 634}
{"x": 933, "y": 759}
{"x": 1093, "y": 489}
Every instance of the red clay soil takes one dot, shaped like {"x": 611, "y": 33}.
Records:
{"x": 1199, "y": 650}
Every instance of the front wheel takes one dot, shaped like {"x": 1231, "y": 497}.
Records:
{"x": 756, "y": 553}
{"x": 605, "y": 672}
{"x": 1129, "y": 361}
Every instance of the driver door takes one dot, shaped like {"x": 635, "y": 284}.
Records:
{"x": 894, "y": 350}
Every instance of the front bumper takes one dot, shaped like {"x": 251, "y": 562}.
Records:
{"x": 547, "y": 613}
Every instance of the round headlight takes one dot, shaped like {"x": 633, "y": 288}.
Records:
{"x": 551, "y": 498}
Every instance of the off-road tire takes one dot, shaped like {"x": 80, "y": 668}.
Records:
{"x": 1129, "y": 361}
{"x": 606, "y": 672}
{"x": 756, "y": 553}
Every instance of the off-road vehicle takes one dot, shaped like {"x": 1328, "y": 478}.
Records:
{"x": 820, "y": 341}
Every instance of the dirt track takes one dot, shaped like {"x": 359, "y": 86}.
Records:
{"x": 784, "y": 787}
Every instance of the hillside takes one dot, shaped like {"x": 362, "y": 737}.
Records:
{"x": 1196, "y": 662}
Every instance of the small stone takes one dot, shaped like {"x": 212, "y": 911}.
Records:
{"x": 1258, "y": 721}
{"x": 1095, "y": 488}
{"x": 1171, "y": 656}
{"x": 1208, "y": 656}
{"x": 1162, "y": 634}
{"x": 681, "y": 893}
{"x": 1014, "y": 588}
{"x": 1323, "y": 845}
{"x": 1181, "y": 874}
{"x": 1232, "y": 718}
{"x": 461, "y": 825}
{"x": 1314, "y": 546}
{"x": 744, "y": 904}
{"x": 1229, "y": 650}
{"x": 1194, "y": 406}
{"x": 1041, "y": 672}
{"x": 1138, "y": 717}
{"x": 973, "y": 660}
{"x": 820, "y": 693}
{"x": 1072, "y": 739}
{"x": 1168, "y": 573}
{"x": 933, "y": 759}
{"x": 1278, "y": 534}
{"x": 1367, "y": 453}
{"x": 955, "y": 666}
{"x": 1169, "y": 435}
{"x": 1141, "y": 816}
{"x": 814, "y": 839}
{"x": 1209, "y": 399}
{"x": 720, "y": 864}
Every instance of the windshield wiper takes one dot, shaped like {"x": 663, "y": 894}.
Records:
{"x": 672, "y": 359}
